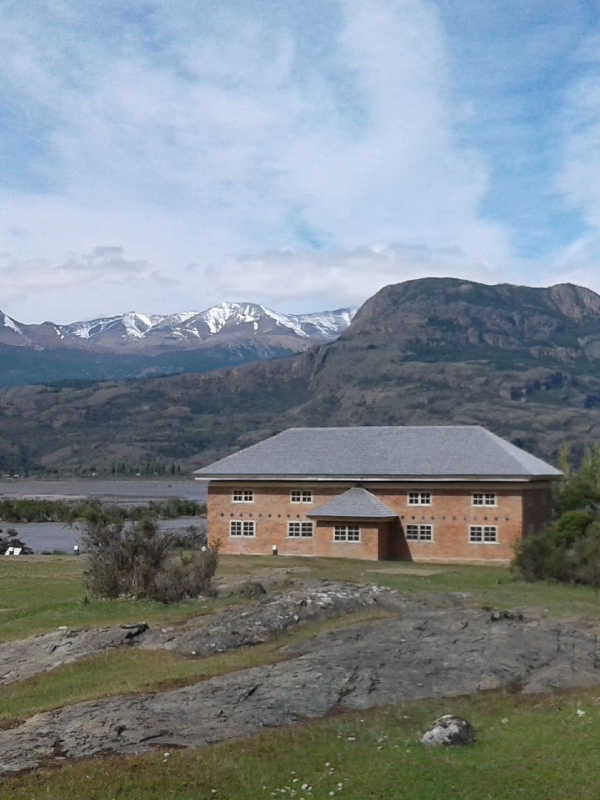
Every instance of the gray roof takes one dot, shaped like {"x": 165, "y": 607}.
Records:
{"x": 355, "y": 503}
{"x": 451, "y": 451}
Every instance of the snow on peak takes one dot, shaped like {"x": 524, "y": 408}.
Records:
{"x": 10, "y": 323}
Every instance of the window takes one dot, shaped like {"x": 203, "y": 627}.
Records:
{"x": 346, "y": 533}
{"x": 419, "y": 498}
{"x": 419, "y": 533}
{"x": 300, "y": 530}
{"x": 483, "y": 534}
{"x": 483, "y": 499}
{"x": 243, "y": 496}
{"x": 301, "y": 496}
{"x": 238, "y": 527}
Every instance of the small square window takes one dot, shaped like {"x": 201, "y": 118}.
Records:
{"x": 239, "y": 527}
{"x": 300, "y": 530}
{"x": 484, "y": 499}
{"x": 483, "y": 534}
{"x": 243, "y": 496}
{"x": 419, "y": 498}
{"x": 346, "y": 533}
{"x": 419, "y": 533}
{"x": 301, "y": 496}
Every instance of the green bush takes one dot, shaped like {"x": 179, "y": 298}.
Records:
{"x": 138, "y": 561}
{"x": 569, "y": 551}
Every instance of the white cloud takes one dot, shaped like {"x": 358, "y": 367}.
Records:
{"x": 36, "y": 286}
{"x": 300, "y": 280}
{"x": 185, "y": 134}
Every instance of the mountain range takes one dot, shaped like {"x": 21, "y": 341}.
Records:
{"x": 134, "y": 344}
{"x": 524, "y": 362}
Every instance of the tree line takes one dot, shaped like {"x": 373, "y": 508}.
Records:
{"x": 569, "y": 550}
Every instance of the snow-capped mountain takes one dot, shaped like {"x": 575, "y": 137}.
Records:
{"x": 191, "y": 329}
{"x": 133, "y": 344}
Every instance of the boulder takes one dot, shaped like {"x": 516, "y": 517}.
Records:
{"x": 449, "y": 731}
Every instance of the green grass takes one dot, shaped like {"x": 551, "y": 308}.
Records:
{"x": 543, "y": 751}
{"x": 133, "y": 671}
{"x": 40, "y": 593}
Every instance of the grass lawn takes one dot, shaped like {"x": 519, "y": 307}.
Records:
{"x": 537, "y": 748}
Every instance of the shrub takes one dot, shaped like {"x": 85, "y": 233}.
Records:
{"x": 565, "y": 552}
{"x": 139, "y": 561}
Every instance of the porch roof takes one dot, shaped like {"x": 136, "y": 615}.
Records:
{"x": 355, "y": 503}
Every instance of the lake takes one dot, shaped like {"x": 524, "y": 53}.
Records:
{"x": 55, "y": 536}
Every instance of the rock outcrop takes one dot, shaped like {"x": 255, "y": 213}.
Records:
{"x": 423, "y": 653}
{"x": 35, "y": 655}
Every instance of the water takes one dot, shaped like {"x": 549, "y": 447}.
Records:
{"x": 57, "y": 537}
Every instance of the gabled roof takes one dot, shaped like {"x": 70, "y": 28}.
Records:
{"x": 356, "y": 503}
{"x": 452, "y": 451}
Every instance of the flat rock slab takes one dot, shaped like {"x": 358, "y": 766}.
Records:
{"x": 270, "y": 617}
{"x": 422, "y": 654}
{"x": 35, "y": 655}
{"x": 202, "y": 636}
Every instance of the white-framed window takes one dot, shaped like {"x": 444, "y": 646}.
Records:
{"x": 484, "y": 499}
{"x": 243, "y": 495}
{"x": 483, "y": 534}
{"x": 419, "y": 498}
{"x": 346, "y": 533}
{"x": 301, "y": 496}
{"x": 300, "y": 530}
{"x": 239, "y": 527}
{"x": 419, "y": 533}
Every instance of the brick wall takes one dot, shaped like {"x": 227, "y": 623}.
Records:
{"x": 518, "y": 509}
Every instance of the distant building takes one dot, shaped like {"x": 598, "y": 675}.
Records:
{"x": 449, "y": 493}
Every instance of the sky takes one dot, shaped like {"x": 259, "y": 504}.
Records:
{"x": 167, "y": 155}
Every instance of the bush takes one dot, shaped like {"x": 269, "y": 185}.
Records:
{"x": 569, "y": 551}
{"x": 138, "y": 561}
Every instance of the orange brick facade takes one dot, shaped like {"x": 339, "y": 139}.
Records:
{"x": 521, "y": 508}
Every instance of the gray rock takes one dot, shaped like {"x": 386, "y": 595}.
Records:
{"x": 449, "y": 731}
{"x": 321, "y": 600}
{"x": 35, "y": 655}
{"x": 422, "y": 653}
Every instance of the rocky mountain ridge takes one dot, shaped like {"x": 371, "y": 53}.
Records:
{"x": 188, "y": 329}
{"x": 135, "y": 344}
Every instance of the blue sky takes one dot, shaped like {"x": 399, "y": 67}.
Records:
{"x": 160, "y": 156}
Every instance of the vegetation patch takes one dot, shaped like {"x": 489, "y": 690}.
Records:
{"x": 569, "y": 551}
{"x": 70, "y": 512}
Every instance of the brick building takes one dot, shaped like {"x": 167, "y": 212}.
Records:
{"x": 448, "y": 493}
